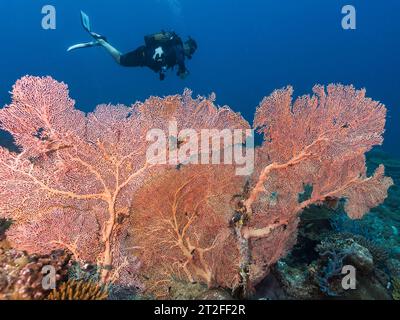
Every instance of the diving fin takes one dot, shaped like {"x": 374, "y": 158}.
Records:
{"x": 83, "y": 45}
{"x": 86, "y": 25}
{"x": 86, "y": 22}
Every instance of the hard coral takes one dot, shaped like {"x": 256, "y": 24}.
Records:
{"x": 21, "y": 274}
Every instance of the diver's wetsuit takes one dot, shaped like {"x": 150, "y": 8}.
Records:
{"x": 158, "y": 55}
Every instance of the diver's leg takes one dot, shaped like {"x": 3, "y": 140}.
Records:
{"x": 111, "y": 50}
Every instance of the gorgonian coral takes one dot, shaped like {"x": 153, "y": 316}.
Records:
{"x": 73, "y": 182}
{"x": 317, "y": 141}
{"x": 85, "y": 182}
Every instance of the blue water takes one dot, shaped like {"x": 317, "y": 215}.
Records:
{"x": 247, "y": 48}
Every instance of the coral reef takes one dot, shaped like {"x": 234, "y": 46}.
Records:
{"x": 321, "y": 277}
{"x": 297, "y": 283}
{"x": 182, "y": 290}
{"x": 84, "y": 183}
{"x": 21, "y": 276}
{"x": 337, "y": 253}
{"x": 322, "y": 145}
{"x": 72, "y": 184}
{"x": 79, "y": 290}
{"x": 327, "y": 239}
{"x": 87, "y": 273}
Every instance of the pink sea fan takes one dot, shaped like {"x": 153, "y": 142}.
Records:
{"x": 319, "y": 141}
{"x": 81, "y": 168}
{"x": 84, "y": 182}
{"x": 183, "y": 233}
{"x": 70, "y": 229}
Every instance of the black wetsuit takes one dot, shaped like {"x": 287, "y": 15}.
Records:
{"x": 158, "y": 55}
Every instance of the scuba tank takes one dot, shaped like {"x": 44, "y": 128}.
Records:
{"x": 160, "y": 38}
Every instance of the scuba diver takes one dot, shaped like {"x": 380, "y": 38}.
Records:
{"x": 162, "y": 51}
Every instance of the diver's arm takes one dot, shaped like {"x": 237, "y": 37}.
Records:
{"x": 182, "y": 71}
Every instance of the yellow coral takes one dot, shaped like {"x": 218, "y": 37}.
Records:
{"x": 79, "y": 290}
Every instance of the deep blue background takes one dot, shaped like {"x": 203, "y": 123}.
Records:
{"x": 247, "y": 48}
